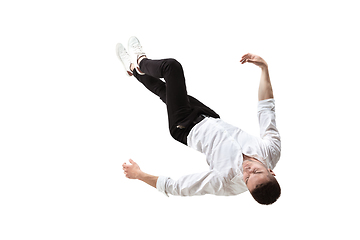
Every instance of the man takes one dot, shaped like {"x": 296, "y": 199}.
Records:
{"x": 238, "y": 161}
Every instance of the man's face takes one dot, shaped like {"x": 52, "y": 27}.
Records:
{"x": 255, "y": 173}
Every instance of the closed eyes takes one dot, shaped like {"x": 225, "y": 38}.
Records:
{"x": 255, "y": 172}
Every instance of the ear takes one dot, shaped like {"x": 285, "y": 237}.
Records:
{"x": 271, "y": 171}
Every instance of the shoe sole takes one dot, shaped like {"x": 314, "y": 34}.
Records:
{"x": 128, "y": 73}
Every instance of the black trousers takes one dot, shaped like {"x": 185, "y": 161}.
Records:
{"x": 183, "y": 110}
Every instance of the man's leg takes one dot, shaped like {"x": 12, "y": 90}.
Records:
{"x": 177, "y": 100}
{"x": 173, "y": 93}
{"x": 171, "y": 70}
{"x": 154, "y": 85}
{"x": 183, "y": 110}
{"x": 158, "y": 87}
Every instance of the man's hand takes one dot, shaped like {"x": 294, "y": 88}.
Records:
{"x": 132, "y": 170}
{"x": 265, "y": 89}
{"x": 255, "y": 59}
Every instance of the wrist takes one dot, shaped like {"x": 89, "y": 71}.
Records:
{"x": 140, "y": 175}
{"x": 264, "y": 67}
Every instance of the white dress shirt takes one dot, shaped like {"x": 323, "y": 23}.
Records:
{"x": 224, "y": 146}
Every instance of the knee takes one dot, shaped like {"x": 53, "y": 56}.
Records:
{"x": 172, "y": 64}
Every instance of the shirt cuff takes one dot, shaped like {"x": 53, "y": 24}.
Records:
{"x": 161, "y": 183}
{"x": 267, "y": 104}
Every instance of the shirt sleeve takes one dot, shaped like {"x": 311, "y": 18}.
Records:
{"x": 268, "y": 130}
{"x": 209, "y": 182}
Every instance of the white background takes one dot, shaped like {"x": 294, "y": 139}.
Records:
{"x": 69, "y": 117}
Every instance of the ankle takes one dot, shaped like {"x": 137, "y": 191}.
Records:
{"x": 140, "y": 58}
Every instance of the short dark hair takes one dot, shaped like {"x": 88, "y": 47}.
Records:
{"x": 267, "y": 193}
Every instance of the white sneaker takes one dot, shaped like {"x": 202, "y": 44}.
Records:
{"x": 124, "y": 58}
{"x": 136, "y": 52}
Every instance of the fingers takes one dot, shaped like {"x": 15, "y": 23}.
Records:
{"x": 126, "y": 168}
{"x": 131, "y": 161}
{"x": 245, "y": 58}
{"x": 245, "y": 55}
{"x": 130, "y": 168}
{"x": 248, "y": 55}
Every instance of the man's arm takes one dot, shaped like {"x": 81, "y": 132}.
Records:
{"x": 209, "y": 182}
{"x": 265, "y": 89}
{"x": 133, "y": 171}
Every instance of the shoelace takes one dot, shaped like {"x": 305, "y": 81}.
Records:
{"x": 137, "y": 49}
